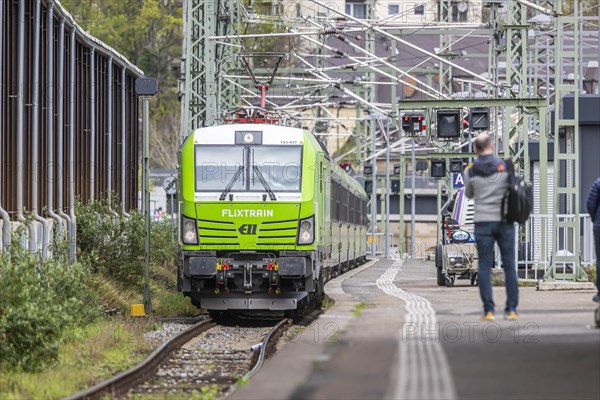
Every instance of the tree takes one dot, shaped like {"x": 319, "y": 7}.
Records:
{"x": 149, "y": 33}
{"x": 589, "y": 7}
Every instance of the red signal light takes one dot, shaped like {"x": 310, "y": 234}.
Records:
{"x": 412, "y": 123}
{"x": 346, "y": 166}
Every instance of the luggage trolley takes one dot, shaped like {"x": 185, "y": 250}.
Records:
{"x": 455, "y": 256}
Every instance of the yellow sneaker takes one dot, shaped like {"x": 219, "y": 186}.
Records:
{"x": 488, "y": 316}
{"x": 511, "y": 316}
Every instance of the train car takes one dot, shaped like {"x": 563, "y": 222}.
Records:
{"x": 266, "y": 218}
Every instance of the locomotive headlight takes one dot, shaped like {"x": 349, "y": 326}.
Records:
{"x": 248, "y": 138}
{"x": 306, "y": 231}
{"x": 305, "y": 225}
{"x": 305, "y": 237}
{"x": 189, "y": 233}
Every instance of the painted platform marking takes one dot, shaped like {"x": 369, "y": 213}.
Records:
{"x": 424, "y": 372}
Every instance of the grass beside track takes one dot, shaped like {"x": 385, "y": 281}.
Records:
{"x": 87, "y": 355}
{"x": 95, "y": 352}
{"x": 55, "y": 335}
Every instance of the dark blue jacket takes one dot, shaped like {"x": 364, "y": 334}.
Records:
{"x": 593, "y": 204}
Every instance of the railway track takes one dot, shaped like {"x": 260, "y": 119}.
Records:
{"x": 205, "y": 355}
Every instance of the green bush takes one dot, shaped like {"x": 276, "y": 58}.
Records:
{"x": 112, "y": 245}
{"x": 163, "y": 244}
{"x": 39, "y": 302}
{"x": 42, "y": 300}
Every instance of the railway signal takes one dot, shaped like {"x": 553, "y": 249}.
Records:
{"x": 395, "y": 183}
{"x": 368, "y": 169}
{"x": 456, "y": 166}
{"x": 448, "y": 124}
{"x": 412, "y": 123}
{"x": 346, "y": 166}
{"x": 479, "y": 119}
{"x": 422, "y": 165}
{"x": 146, "y": 86}
{"x": 397, "y": 169}
{"x": 438, "y": 169}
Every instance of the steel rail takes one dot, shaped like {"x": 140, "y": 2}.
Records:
{"x": 264, "y": 348}
{"x": 122, "y": 382}
{"x": 119, "y": 384}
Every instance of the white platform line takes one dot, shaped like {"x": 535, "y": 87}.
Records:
{"x": 423, "y": 371}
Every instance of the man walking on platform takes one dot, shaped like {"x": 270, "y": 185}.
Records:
{"x": 593, "y": 206}
{"x": 486, "y": 181}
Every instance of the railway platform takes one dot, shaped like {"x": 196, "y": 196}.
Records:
{"x": 393, "y": 333}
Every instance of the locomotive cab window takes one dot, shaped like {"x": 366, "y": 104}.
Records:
{"x": 281, "y": 167}
{"x": 248, "y": 168}
{"x": 216, "y": 166}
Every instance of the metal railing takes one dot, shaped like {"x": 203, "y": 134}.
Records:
{"x": 534, "y": 253}
{"x": 376, "y": 244}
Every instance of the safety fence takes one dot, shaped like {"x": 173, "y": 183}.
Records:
{"x": 534, "y": 253}
{"x": 68, "y": 122}
{"x": 376, "y": 244}
{"x": 534, "y": 247}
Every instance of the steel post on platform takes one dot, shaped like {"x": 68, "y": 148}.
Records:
{"x": 146, "y": 199}
{"x": 401, "y": 199}
{"x": 413, "y": 195}
{"x": 387, "y": 188}
{"x": 373, "y": 191}
{"x": 566, "y": 262}
{"x": 145, "y": 88}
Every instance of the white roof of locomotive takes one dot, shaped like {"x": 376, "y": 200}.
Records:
{"x": 271, "y": 134}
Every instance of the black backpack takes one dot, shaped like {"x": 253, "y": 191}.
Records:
{"x": 517, "y": 202}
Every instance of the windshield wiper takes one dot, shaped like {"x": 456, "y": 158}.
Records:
{"x": 231, "y": 182}
{"x": 263, "y": 181}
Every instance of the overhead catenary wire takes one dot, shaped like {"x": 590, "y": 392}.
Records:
{"x": 406, "y": 43}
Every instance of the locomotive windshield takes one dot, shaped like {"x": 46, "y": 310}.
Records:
{"x": 280, "y": 167}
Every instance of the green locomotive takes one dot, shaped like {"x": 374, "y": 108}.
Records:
{"x": 266, "y": 218}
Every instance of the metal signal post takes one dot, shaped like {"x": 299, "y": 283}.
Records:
{"x": 146, "y": 87}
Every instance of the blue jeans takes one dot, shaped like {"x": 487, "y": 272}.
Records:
{"x": 486, "y": 233}
{"x": 597, "y": 243}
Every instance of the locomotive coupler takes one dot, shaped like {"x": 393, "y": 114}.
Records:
{"x": 248, "y": 278}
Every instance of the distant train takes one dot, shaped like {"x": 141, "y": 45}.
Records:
{"x": 266, "y": 218}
